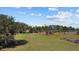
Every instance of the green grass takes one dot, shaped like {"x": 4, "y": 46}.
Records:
{"x": 41, "y": 42}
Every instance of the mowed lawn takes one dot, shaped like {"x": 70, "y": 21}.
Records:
{"x": 41, "y": 42}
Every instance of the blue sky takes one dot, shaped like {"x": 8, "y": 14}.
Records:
{"x": 37, "y": 16}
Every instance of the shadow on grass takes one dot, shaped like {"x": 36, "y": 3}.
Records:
{"x": 21, "y": 42}
{"x": 12, "y": 43}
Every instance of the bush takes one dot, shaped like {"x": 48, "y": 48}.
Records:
{"x": 1, "y": 47}
{"x": 6, "y": 41}
{"x": 2, "y": 37}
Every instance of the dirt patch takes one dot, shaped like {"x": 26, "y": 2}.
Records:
{"x": 74, "y": 40}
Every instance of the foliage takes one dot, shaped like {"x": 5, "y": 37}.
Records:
{"x": 52, "y": 28}
{"x": 7, "y": 23}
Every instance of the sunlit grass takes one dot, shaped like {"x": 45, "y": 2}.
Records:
{"x": 41, "y": 42}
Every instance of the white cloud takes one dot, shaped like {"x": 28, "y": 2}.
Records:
{"x": 17, "y": 7}
{"x": 77, "y": 10}
{"x": 65, "y": 18}
{"x": 76, "y": 15}
{"x": 76, "y": 22}
{"x": 49, "y": 17}
{"x": 60, "y": 16}
{"x": 32, "y": 14}
{"x": 39, "y": 14}
{"x": 35, "y": 14}
{"x": 52, "y": 9}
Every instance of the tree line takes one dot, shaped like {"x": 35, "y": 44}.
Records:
{"x": 7, "y": 24}
{"x": 52, "y": 28}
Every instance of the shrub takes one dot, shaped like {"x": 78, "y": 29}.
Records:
{"x": 2, "y": 37}
{"x": 1, "y": 47}
{"x": 6, "y": 41}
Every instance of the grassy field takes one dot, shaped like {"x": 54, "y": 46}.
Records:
{"x": 41, "y": 42}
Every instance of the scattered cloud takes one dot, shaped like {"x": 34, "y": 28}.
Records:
{"x": 76, "y": 15}
{"x": 32, "y": 14}
{"x": 35, "y": 14}
{"x": 52, "y": 9}
{"x": 17, "y": 7}
{"x": 39, "y": 14}
{"x": 77, "y": 10}
{"x": 65, "y": 18}
{"x": 60, "y": 16}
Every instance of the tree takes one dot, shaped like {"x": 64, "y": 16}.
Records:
{"x": 8, "y": 27}
{"x": 6, "y": 23}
